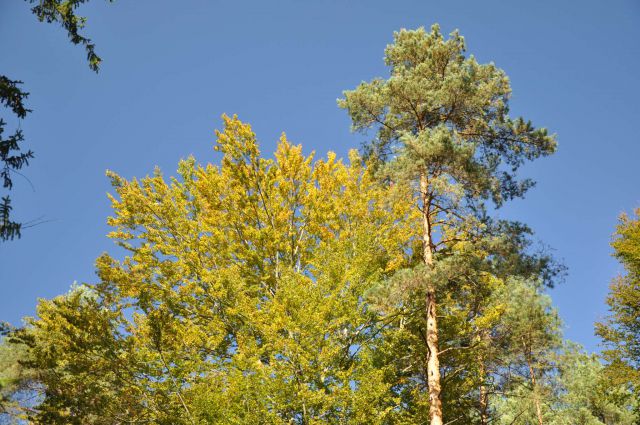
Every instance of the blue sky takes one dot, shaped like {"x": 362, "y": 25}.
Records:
{"x": 172, "y": 68}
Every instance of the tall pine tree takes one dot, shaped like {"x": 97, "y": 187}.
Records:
{"x": 442, "y": 125}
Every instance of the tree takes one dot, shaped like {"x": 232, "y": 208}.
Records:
{"x": 442, "y": 126}
{"x": 574, "y": 391}
{"x": 543, "y": 379}
{"x": 11, "y": 374}
{"x": 586, "y": 395}
{"x": 241, "y": 300}
{"x": 529, "y": 337}
{"x": 620, "y": 331}
{"x": 12, "y": 156}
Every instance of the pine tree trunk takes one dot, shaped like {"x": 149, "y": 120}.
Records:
{"x": 433, "y": 362}
{"x": 483, "y": 402}
{"x": 484, "y": 396}
{"x": 536, "y": 399}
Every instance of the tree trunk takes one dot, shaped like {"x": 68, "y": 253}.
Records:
{"x": 483, "y": 402}
{"x": 536, "y": 399}
{"x": 433, "y": 362}
{"x": 484, "y": 396}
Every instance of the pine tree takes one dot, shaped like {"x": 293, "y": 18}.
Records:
{"x": 586, "y": 395}
{"x": 442, "y": 126}
{"x": 529, "y": 336}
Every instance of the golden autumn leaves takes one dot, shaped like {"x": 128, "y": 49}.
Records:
{"x": 242, "y": 295}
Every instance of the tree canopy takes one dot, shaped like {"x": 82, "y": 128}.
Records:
{"x": 620, "y": 331}
{"x": 292, "y": 289}
{"x": 442, "y": 127}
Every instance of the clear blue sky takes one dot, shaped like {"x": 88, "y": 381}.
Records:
{"x": 171, "y": 68}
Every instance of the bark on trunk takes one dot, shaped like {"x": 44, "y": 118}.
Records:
{"x": 536, "y": 399}
{"x": 433, "y": 362}
{"x": 484, "y": 397}
{"x": 485, "y": 341}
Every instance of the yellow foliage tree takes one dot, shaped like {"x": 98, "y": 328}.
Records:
{"x": 241, "y": 299}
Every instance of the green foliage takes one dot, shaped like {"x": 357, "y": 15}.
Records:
{"x": 16, "y": 380}
{"x": 9, "y": 377}
{"x": 442, "y": 130}
{"x": 587, "y": 395}
{"x": 445, "y": 115}
{"x": 9, "y": 229}
{"x": 295, "y": 290}
{"x": 523, "y": 359}
{"x": 535, "y": 369}
{"x": 64, "y": 13}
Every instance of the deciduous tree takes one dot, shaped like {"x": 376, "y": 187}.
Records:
{"x": 620, "y": 331}
{"x": 241, "y": 300}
